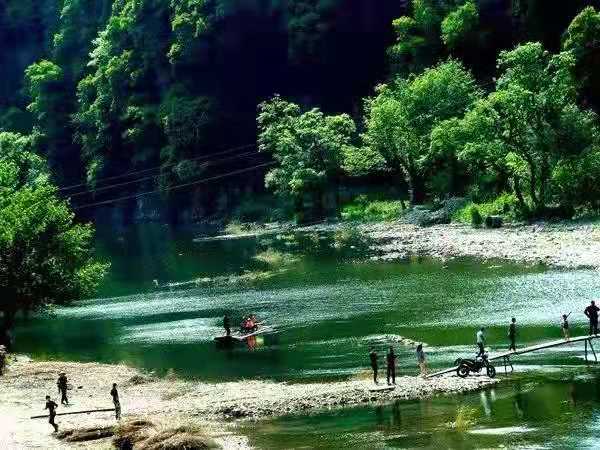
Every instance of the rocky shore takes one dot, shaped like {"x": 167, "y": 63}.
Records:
{"x": 561, "y": 246}
{"x": 213, "y": 405}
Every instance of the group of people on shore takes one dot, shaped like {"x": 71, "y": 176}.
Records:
{"x": 390, "y": 359}
{"x": 63, "y": 386}
{"x": 591, "y": 312}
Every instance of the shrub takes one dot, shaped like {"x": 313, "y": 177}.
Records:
{"x": 505, "y": 205}
{"x": 364, "y": 210}
{"x": 476, "y": 218}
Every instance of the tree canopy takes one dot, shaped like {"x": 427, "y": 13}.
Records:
{"x": 45, "y": 255}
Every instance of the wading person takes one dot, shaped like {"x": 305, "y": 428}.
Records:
{"x": 51, "y": 407}
{"x": 114, "y": 393}
{"x": 591, "y": 313}
{"x": 391, "y": 365}
{"x": 480, "y": 338}
{"x": 62, "y": 388}
{"x": 564, "y": 325}
{"x": 421, "y": 362}
{"x": 512, "y": 335}
{"x": 227, "y": 325}
{"x": 373, "y": 357}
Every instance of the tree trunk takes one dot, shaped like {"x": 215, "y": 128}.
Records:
{"x": 416, "y": 188}
{"x": 6, "y": 327}
{"x": 519, "y": 194}
{"x": 299, "y": 209}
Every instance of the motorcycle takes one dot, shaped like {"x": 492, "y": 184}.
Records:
{"x": 466, "y": 366}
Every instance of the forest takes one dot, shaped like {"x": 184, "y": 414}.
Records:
{"x": 237, "y": 107}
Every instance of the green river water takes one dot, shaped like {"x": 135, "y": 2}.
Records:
{"x": 328, "y": 307}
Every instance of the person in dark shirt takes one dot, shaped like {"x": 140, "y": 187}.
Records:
{"x": 391, "y": 365}
{"x": 114, "y": 393}
{"x": 565, "y": 326}
{"x": 62, "y": 388}
{"x": 373, "y": 357}
{"x": 591, "y": 313}
{"x": 51, "y": 407}
{"x": 227, "y": 325}
{"x": 512, "y": 335}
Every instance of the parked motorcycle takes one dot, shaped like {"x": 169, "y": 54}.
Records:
{"x": 466, "y": 366}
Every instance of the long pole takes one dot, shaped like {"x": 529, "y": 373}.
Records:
{"x": 74, "y": 412}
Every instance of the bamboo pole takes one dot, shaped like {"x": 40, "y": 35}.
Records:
{"x": 74, "y": 412}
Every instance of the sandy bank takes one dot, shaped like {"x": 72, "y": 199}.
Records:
{"x": 26, "y": 384}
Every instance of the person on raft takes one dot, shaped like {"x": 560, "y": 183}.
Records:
{"x": 249, "y": 324}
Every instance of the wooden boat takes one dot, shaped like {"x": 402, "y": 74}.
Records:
{"x": 239, "y": 337}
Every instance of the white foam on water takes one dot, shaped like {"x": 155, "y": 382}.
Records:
{"x": 503, "y": 430}
{"x": 179, "y": 331}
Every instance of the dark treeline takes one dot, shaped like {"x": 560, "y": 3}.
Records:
{"x": 105, "y": 87}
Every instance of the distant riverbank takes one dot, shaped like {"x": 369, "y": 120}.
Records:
{"x": 27, "y": 382}
{"x": 558, "y": 245}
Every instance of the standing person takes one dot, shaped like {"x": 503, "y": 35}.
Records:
{"x": 227, "y": 325}
{"x": 591, "y": 313}
{"x": 480, "y": 337}
{"x": 422, "y": 363}
{"x": 114, "y": 393}
{"x": 3, "y": 358}
{"x": 51, "y": 407}
{"x": 373, "y": 357}
{"x": 512, "y": 335}
{"x": 565, "y": 326}
{"x": 62, "y": 388}
{"x": 391, "y": 365}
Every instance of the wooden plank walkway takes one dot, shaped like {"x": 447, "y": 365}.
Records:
{"x": 505, "y": 356}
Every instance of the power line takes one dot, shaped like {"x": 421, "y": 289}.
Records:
{"x": 178, "y": 186}
{"x": 125, "y": 183}
{"x": 137, "y": 172}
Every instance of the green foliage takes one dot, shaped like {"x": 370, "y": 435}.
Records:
{"x": 505, "y": 205}
{"x": 420, "y": 37}
{"x": 522, "y": 130}
{"x": 459, "y": 23}
{"x": 45, "y": 256}
{"x": 308, "y": 147}
{"x": 364, "y": 210}
{"x": 400, "y": 118}
{"x": 189, "y": 22}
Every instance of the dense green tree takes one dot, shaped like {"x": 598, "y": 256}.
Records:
{"x": 420, "y": 37}
{"x": 45, "y": 256}
{"x": 308, "y": 147}
{"x": 400, "y": 118}
{"x": 583, "y": 39}
{"x": 527, "y": 128}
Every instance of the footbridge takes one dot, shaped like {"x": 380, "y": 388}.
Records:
{"x": 506, "y": 356}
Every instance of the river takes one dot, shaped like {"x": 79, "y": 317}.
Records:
{"x": 329, "y": 303}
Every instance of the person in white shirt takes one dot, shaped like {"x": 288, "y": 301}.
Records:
{"x": 481, "y": 341}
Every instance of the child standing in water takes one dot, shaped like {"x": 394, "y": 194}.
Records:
{"x": 565, "y": 326}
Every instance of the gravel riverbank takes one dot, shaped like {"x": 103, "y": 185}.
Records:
{"x": 213, "y": 405}
{"x": 554, "y": 245}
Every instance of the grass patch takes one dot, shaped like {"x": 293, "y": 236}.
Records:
{"x": 362, "y": 209}
{"x": 275, "y": 259}
{"x": 145, "y": 435}
{"x": 465, "y": 419}
{"x": 472, "y": 213}
{"x": 237, "y": 228}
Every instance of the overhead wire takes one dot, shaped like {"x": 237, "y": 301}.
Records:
{"x": 163, "y": 166}
{"x": 149, "y": 177}
{"x": 178, "y": 186}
